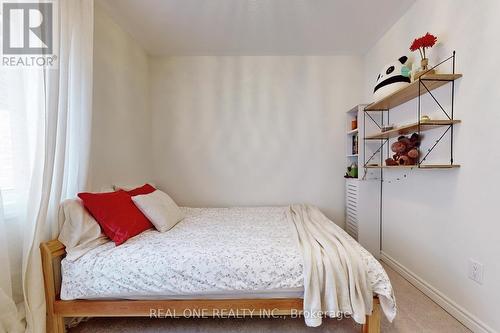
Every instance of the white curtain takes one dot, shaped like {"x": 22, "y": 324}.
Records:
{"x": 44, "y": 153}
{"x": 10, "y": 316}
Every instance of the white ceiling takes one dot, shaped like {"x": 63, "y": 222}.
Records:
{"x": 256, "y": 27}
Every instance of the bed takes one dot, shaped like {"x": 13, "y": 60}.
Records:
{"x": 244, "y": 261}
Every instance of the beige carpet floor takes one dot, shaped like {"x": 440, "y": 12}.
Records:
{"x": 416, "y": 313}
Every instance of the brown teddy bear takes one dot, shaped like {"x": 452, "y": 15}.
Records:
{"x": 405, "y": 151}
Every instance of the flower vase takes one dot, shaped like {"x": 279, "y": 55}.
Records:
{"x": 424, "y": 68}
{"x": 424, "y": 63}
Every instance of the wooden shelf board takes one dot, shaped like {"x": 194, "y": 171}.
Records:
{"x": 422, "y": 166}
{"x": 409, "y": 92}
{"x": 407, "y": 129}
{"x": 351, "y": 132}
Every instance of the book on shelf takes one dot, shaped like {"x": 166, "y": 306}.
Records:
{"x": 355, "y": 147}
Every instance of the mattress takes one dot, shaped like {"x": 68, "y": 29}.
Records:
{"x": 212, "y": 253}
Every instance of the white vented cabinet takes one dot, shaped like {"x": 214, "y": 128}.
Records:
{"x": 351, "y": 207}
{"x": 352, "y": 154}
{"x": 362, "y": 196}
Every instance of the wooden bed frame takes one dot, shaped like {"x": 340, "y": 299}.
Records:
{"x": 53, "y": 251}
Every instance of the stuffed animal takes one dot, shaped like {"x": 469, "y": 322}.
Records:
{"x": 393, "y": 77}
{"x": 405, "y": 151}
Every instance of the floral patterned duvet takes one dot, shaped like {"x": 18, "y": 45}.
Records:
{"x": 212, "y": 253}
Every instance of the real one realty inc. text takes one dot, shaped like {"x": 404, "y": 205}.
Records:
{"x": 243, "y": 313}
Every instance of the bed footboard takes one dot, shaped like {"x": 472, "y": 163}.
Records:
{"x": 372, "y": 324}
{"x": 53, "y": 251}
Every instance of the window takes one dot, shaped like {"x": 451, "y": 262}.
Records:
{"x": 7, "y": 176}
{"x": 6, "y": 153}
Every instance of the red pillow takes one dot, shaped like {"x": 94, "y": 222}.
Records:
{"x": 116, "y": 213}
{"x": 144, "y": 189}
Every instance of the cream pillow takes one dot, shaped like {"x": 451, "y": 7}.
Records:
{"x": 130, "y": 187}
{"x": 160, "y": 209}
{"x": 80, "y": 232}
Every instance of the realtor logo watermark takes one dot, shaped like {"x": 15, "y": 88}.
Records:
{"x": 28, "y": 34}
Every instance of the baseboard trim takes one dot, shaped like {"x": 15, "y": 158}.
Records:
{"x": 462, "y": 315}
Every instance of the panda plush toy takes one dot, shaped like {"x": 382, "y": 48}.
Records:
{"x": 393, "y": 77}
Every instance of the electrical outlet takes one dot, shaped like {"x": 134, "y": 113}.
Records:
{"x": 476, "y": 271}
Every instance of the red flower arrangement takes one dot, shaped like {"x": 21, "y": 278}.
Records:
{"x": 422, "y": 43}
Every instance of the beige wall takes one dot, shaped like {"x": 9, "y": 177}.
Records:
{"x": 231, "y": 131}
{"x": 436, "y": 220}
{"x": 221, "y": 131}
{"x": 121, "y": 125}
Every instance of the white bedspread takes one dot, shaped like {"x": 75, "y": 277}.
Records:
{"x": 213, "y": 252}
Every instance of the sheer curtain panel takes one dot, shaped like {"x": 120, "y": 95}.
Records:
{"x": 45, "y": 119}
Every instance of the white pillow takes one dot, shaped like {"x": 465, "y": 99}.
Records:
{"x": 130, "y": 187}
{"x": 160, "y": 209}
{"x": 80, "y": 232}
{"x": 107, "y": 189}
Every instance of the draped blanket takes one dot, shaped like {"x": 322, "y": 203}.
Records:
{"x": 335, "y": 276}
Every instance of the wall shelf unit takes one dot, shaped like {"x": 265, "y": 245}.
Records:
{"x": 424, "y": 85}
{"x": 424, "y": 166}
{"x": 412, "y": 91}
{"x": 411, "y": 128}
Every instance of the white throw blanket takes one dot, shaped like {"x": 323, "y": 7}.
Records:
{"x": 335, "y": 278}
